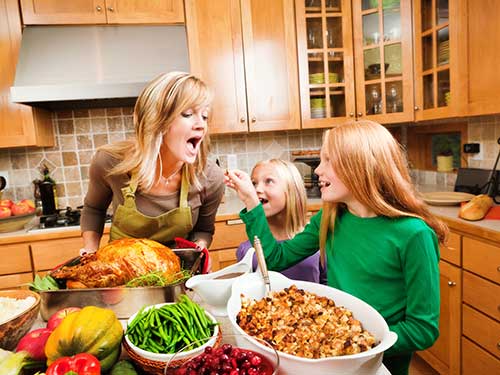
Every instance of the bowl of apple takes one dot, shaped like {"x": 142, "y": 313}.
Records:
{"x": 14, "y": 216}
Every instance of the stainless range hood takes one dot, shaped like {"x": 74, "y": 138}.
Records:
{"x": 94, "y": 66}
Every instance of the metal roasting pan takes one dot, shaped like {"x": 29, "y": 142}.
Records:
{"x": 123, "y": 301}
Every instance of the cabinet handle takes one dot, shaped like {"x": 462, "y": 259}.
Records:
{"x": 98, "y": 8}
{"x": 242, "y": 119}
{"x": 451, "y": 283}
{"x": 416, "y": 108}
{"x": 351, "y": 114}
{"x": 234, "y": 222}
{"x": 498, "y": 345}
{"x": 111, "y": 9}
{"x": 451, "y": 248}
{"x": 360, "y": 114}
{"x": 254, "y": 119}
{"x": 498, "y": 268}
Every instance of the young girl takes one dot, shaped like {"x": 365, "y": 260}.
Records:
{"x": 280, "y": 189}
{"x": 380, "y": 240}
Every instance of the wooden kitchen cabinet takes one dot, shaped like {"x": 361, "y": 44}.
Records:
{"x": 480, "y": 56}
{"x": 440, "y": 82}
{"x": 444, "y": 355}
{"x": 49, "y": 253}
{"x": 229, "y": 234}
{"x": 18, "y": 269}
{"x": 330, "y": 33}
{"x": 245, "y": 50}
{"x": 55, "y": 12}
{"x": 20, "y": 125}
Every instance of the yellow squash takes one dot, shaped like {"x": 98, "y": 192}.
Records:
{"x": 91, "y": 330}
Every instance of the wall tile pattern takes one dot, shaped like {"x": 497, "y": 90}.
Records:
{"x": 78, "y": 133}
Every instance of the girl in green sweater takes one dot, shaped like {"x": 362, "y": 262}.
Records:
{"x": 379, "y": 238}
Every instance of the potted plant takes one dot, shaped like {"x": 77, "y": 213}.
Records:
{"x": 444, "y": 158}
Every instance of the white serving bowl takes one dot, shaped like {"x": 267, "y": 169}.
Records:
{"x": 365, "y": 363}
{"x": 166, "y": 357}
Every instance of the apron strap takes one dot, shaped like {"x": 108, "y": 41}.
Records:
{"x": 183, "y": 199}
{"x": 128, "y": 193}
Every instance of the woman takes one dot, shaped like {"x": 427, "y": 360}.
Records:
{"x": 380, "y": 239}
{"x": 160, "y": 183}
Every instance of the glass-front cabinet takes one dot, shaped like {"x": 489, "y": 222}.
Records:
{"x": 324, "y": 32}
{"x": 436, "y": 91}
{"x": 355, "y": 60}
{"x": 383, "y": 60}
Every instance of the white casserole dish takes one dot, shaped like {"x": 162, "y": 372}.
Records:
{"x": 365, "y": 363}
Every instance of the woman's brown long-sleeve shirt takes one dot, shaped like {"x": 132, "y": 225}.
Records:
{"x": 104, "y": 190}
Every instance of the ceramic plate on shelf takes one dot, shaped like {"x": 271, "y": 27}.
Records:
{"x": 446, "y": 198}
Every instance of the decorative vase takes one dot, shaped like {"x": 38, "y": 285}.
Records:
{"x": 444, "y": 163}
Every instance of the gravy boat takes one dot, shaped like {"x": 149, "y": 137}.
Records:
{"x": 215, "y": 287}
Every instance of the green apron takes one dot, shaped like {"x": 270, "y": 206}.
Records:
{"x": 128, "y": 222}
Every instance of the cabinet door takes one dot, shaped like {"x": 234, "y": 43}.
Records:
{"x": 444, "y": 355}
{"x": 145, "y": 11}
{"x": 20, "y": 125}
{"x": 476, "y": 361}
{"x": 15, "y": 280}
{"x": 383, "y": 51}
{"x": 439, "y": 84}
{"x": 326, "y": 66}
{"x": 222, "y": 258}
{"x": 480, "y": 36}
{"x": 56, "y": 12}
{"x": 271, "y": 73}
{"x": 216, "y": 56}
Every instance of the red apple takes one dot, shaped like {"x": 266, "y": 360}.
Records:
{"x": 5, "y": 212}
{"x": 29, "y": 203}
{"x": 20, "y": 209}
{"x": 34, "y": 343}
{"x": 59, "y": 316}
{"x": 6, "y": 203}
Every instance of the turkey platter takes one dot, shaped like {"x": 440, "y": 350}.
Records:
{"x": 119, "y": 262}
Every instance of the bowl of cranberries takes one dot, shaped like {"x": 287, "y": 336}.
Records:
{"x": 232, "y": 357}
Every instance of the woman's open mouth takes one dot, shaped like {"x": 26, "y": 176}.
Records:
{"x": 193, "y": 143}
{"x": 323, "y": 184}
{"x": 263, "y": 200}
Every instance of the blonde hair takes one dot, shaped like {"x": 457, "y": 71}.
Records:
{"x": 371, "y": 164}
{"x": 160, "y": 103}
{"x": 295, "y": 194}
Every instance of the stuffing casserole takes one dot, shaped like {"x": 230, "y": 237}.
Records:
{"x": 300, "y": 323}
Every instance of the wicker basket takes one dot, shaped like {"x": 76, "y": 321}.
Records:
{"x": 157, "y": 367}
{"x": 14, "y": 223}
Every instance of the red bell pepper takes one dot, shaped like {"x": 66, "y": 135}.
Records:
{"x": 79, "y": 364}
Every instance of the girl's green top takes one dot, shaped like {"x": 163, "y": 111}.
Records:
{"x": 392, "y": 264}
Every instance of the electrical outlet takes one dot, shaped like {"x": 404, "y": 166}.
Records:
{"x": 471, "y": 148}
{"x": 5, "y": 174}
{"x": 478, "y": 155}
{"x": 232, "y": 161}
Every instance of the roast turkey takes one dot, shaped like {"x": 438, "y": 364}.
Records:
{"x": 119, "y": 262}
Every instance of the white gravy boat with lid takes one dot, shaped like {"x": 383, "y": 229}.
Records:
{"x": 215, "y": 287}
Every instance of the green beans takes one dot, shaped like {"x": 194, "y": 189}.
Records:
{"x": 169, "y": 328}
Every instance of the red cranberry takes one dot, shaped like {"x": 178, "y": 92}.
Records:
{"x": 208, "y": 349}
{"x": 226, "y": 348}
{"x": 256, "y": 360}
{"x": 235, "y": 372}
{"x": 252, "y": 371}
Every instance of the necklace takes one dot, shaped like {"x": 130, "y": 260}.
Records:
{"x": 166, "y": 180}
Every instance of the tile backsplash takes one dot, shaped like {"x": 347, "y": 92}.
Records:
{"x": 79, "y": 133}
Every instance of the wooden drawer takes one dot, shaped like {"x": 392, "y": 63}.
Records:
{"x": 481, "y": 329}
{"x": 15, "y": 259}
{"x": 477, "y": 361}
{"x": 15, "y": 280}
{"x": 229, "y": 233}
{"x": 48, "y": 254}
{"x": 482, "y": 294}
{"x": 222, "y": 258}
{"x": 481, "y": 258}
{"x": 452, "y": 252}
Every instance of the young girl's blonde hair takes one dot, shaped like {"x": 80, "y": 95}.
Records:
{"x": 161, "y": 101}
{"x": 295, "y": 193}
{"x": 371, "y": 164}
